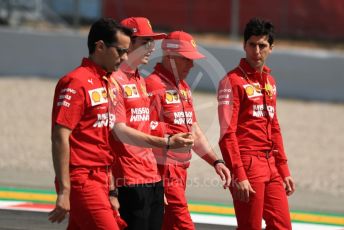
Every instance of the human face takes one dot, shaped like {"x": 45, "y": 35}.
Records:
{"x": 257, "y": 50}
{"x": 180, "y": 65}
{"x": 140, "y": 50}
{"x": 115, "y": 54}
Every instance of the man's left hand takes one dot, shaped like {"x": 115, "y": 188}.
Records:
{"x": 114, "y": 203}
{"x": 289, "y": 185}
{"x": 224, "y": 174}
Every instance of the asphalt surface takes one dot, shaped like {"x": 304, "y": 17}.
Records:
{"x": 22, "y": 220}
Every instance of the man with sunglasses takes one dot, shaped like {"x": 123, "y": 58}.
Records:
{"x": 140, "y": 189}
{"x": 250, "y": 139}
{"x": 173, "y": 112}
{"x": 80, "y": 131}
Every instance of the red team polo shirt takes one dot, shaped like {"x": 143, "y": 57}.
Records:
{"x": 171, "y": 109}
{"x": 248, "y": 118}
{"x": 80, "y": 104}
{"x": 134, "y": 165}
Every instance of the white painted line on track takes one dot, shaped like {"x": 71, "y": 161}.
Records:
{"x": 197, "y": 218}
{"x": 231, "y": 221}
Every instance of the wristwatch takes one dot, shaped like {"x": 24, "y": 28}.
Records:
{"x": 113, "y": 193}
{"x": 218, "y": 162}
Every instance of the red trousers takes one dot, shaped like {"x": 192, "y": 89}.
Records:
{"x": 90, "y": 207}
{"x": 176, "y": 215}
{"x": 270, "y": 200}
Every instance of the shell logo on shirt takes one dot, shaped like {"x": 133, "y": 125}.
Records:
{"x": 95, "y": 97}
{"x": 98, "y": 96}
{"x": 172, "y": 97}
{"x": 130, "y": 91}
{"x": 253, "y": 90}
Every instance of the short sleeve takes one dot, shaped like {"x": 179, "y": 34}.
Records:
{"x": 69, "y": 99}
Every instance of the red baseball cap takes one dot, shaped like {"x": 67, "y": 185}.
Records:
{"x": 181, "y": 43}
{"x": 141, "y": 27}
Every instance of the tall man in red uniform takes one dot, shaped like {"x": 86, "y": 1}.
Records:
{"x": 173, "y": 112}
{"x": 250, "y": 140}
{"x": 140, "y": 189}
{"x": 80, "y": 132}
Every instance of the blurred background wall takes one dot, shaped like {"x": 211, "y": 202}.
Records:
{"x": 305, "y": 19}
{"x": 308, "y": 19}
{"x": 47, "y": 37}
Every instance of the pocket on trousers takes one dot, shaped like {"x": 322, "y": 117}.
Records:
{"x": 247, "y": 162}
{"x": 79, "y": 181}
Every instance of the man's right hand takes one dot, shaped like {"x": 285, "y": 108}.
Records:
{"x": 61, "y": 209}
{"x": 181, "y": 140}
{"x": 242, "y": 191}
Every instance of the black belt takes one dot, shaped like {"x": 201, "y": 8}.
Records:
{"x": 146, "y": 185}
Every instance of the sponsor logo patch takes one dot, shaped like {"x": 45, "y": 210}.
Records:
{"x": 144, "y": 90}
{"x": 253, "y": 90}
{"x": 103, "y": 120}
{"x": 260, "y": 111}
{"x": 130, "y": 91}
{"x": 172, "y": 97}
{"x": 63, "y": 103}
{"x": 154, "y": 124}
{"x": 68, "y": 90}
{"x": 139, "y": 114}
{"x": 193, "y": 43}
{"x": 180, "y": 118}
{"x": 98, "y": 96}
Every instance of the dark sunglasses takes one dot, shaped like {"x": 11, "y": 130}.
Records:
{"x": 120, "y": 51}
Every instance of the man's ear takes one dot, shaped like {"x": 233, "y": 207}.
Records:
{"x": 271, "y": 46}
{"x": 100, "y": 45}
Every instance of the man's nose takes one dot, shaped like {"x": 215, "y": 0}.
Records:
{"x": 124, "y": 57}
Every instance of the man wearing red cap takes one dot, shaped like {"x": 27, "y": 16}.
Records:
{"x": 80, "y": 132}
{"x": 250, "y": 140}
{"x": 140, "y": 189}
{"x": 173, "y": 112}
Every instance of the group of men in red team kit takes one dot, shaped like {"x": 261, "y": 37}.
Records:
{"x": 121, "y": 143}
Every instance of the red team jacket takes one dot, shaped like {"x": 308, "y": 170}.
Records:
{"x": 134, "y": 165}
{"x": 248, "y": 118}
{"x": 171, "y": 109}
{"x": 81, "y": 104}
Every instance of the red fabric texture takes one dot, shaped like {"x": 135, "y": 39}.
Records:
{"x": 89, "y": 200}
{"x": 270, "y": 200}
{"x": 248, "y": 118}
{"x": 171, "y": 110}
{"x": 130, "y": 104}
{"x": 176, "y": 215}
{"x": 80, "y": 104}
{"x": 120, "y": 222}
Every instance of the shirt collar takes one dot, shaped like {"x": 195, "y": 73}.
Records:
{"x": 128, "y": 71}
{"x": 162, "y": 71}
{"x": 92, "y": 66}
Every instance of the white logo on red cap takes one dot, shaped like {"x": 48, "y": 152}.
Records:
{"x": 172, "y": 45}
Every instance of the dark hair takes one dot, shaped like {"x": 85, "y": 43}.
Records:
{"x": 105, "y": 29}
{"x": 259, "y": 27}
